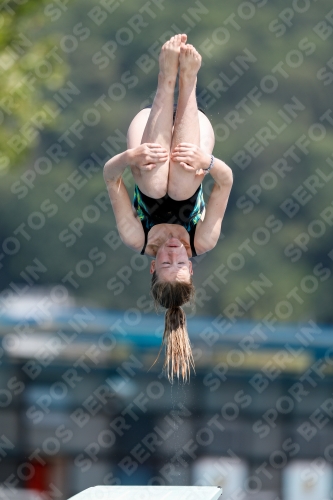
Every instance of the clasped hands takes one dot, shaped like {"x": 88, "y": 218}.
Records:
{"x": 189, "y": 156}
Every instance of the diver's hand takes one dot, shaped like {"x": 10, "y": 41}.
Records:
{"x": 191, "y": 157}
{"x": 147, "y": 156}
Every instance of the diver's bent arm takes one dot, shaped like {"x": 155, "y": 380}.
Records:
{"x": 208, "y": 231}
{"x": 115, "y": 167}
{"x": 222, "y": 174}
{"x": 128, "y": 225}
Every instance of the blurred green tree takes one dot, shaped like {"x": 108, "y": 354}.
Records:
{"x": 28, "y": 67}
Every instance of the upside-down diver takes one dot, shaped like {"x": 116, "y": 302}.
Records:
{"x": 169, "y": 151}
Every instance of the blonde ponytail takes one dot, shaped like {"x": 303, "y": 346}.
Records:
{"x": 178, "y": 353}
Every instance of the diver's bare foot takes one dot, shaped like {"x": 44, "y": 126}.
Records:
{"x": 183, "y": 38}
{"x": 169, "y": 57}
{"x": 189, "y": 62}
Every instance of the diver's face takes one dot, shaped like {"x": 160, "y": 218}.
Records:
{"x": 172, "y": 262}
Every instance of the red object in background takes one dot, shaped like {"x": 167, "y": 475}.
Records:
{"x": 39, "y": 481}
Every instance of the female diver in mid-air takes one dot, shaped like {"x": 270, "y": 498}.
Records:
{"x": 169, "y": 154}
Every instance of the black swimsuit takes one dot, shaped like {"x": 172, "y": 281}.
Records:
{"x": 191, "y": 234}
{"x": 166, "y": 210}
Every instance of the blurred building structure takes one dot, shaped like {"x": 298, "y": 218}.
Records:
{"x": 82, "y": 403}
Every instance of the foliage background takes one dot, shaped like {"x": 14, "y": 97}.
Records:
{"x": 70, "y": 29}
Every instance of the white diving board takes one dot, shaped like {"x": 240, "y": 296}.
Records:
{"x": 150, "y": 493}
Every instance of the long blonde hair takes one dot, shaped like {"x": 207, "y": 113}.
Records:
{"x": 178, "y": 353}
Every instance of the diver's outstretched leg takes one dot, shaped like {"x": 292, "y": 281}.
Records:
{"x": 155, "y": 125}
{"x": 191, "y": 126}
